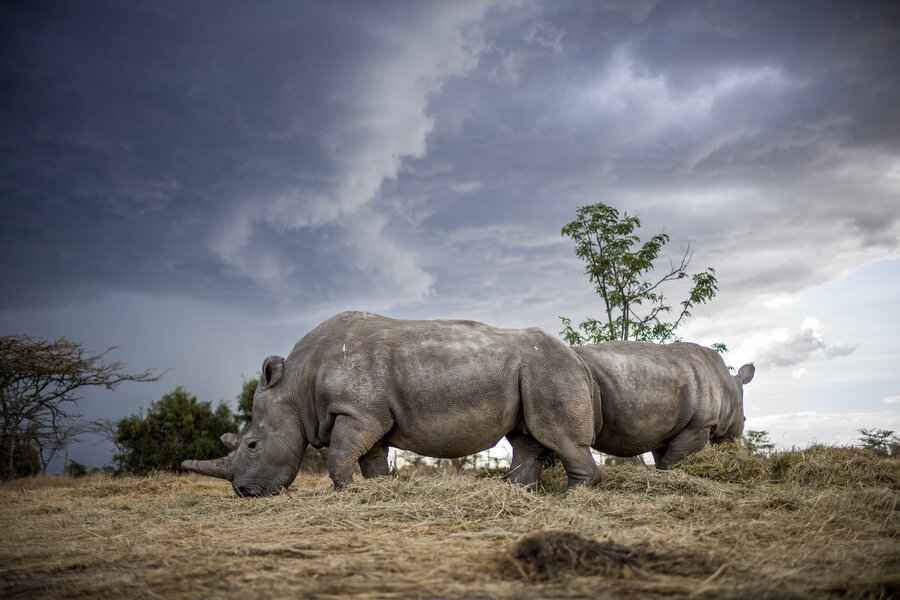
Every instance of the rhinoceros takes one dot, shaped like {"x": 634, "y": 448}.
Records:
{"x": 669, "y": 399}
{"x": 360, "y": 382}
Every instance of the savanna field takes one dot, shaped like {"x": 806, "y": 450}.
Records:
{"x": 818, "y": 523}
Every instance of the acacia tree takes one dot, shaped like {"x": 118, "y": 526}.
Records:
{"x": 39, "y": 382}
{"x": 882, "y": 442}
{"x": 108, "y": 430}
{"x": 619, "y": 266}
{"x": 49, "y": 438}
{"x": 757, "y": 442}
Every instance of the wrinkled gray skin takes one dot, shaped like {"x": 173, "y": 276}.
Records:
{"x": 669, "y": 399}
{"x": 360, "y": 382}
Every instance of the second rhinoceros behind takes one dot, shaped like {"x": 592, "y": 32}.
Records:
{"x": 360, "y": 382}
{"x": 668, "y": 399}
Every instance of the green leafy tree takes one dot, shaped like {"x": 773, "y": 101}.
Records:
{"x": 245, "y": 402}
{"x": 39, "y": 384}
{"x": 880, "y": 441}
{"x": 76, "y": 469}
{"x": 176, "y": 427}
{"x": 619, "y": 266}
{"x": 757, "y": 443}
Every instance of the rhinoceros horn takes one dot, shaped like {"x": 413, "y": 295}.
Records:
{"x": 218, "y": 467}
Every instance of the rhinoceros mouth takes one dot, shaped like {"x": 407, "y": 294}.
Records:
{"x": 245, "y": 491}
{"x": 255, "y": 488}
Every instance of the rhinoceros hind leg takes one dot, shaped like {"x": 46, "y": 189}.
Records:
{"x": 559, "y": 414}
{"x": 686, "y": 442}
{"x": 374, "y": 463}
{"x": 351, "y": 438}
{"x": 580, "y": 466}
{"x": 528, "y": 459}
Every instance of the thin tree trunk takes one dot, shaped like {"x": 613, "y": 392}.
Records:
{"x": 44, "y": 463}
{"x": 11, "y": 452}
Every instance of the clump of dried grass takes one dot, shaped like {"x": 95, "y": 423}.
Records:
{"x": 826, "y": 466}
{"x": 553, "y": 478}
{"x": 562, "y": 554}
{"x": 729, "y": 463}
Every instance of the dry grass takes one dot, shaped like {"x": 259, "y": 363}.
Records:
{"x": 820, "y": 524}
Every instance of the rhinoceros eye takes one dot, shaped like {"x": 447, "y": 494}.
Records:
{"x": 252, "y": 445}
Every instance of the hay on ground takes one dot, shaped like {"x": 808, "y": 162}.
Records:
{"x": 639, "y": 534}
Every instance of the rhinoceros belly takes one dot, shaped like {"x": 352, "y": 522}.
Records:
{"x": 634, "y": 425}
{"x": 450, "y": 428}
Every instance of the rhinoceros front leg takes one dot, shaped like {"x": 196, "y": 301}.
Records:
{"x": 374, "y": 463}
{"x": 351, "y": 439}
{"x": 685, "y": 443}
{"x": 528, "y": 459}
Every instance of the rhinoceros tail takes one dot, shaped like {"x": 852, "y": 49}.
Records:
{"x": 745, "y": 373}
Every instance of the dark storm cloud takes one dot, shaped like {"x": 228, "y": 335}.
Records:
{"x": 323, "y": 154}
{"x": 126, "y": 131}
{"x": 745, "y": 128}
{"x": 136, "y": 135}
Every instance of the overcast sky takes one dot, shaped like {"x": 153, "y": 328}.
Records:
{"x": 201, "y": 183}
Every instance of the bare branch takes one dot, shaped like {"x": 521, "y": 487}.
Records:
{"x": 39, "y": 380}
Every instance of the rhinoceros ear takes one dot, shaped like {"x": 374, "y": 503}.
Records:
{"x": 271, "y": 371}
{"x": 746, "y": 373}
{"x": 231, "y": 440}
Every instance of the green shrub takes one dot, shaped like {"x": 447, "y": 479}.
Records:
{"x": 176, "y": 427}
{"x": 76, "y": 469}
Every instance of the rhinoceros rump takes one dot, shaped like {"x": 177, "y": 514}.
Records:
{"x": 360, "y": 382}
{"x": 670, "y": 399}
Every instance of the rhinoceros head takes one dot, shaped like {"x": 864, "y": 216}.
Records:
{"x": 267, "y": 457}
{"x": 736, "y": 423}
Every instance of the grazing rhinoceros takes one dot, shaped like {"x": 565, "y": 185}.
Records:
{"x": 360, "y": 382}
{"x": 670, "y": 399}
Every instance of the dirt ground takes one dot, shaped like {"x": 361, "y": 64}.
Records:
{"x": 823, "y": 523}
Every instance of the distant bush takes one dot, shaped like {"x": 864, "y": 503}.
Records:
{"x": 245, "y": 402}
{"x": 76, "y": 469}
{"x": 176, "y": 427}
